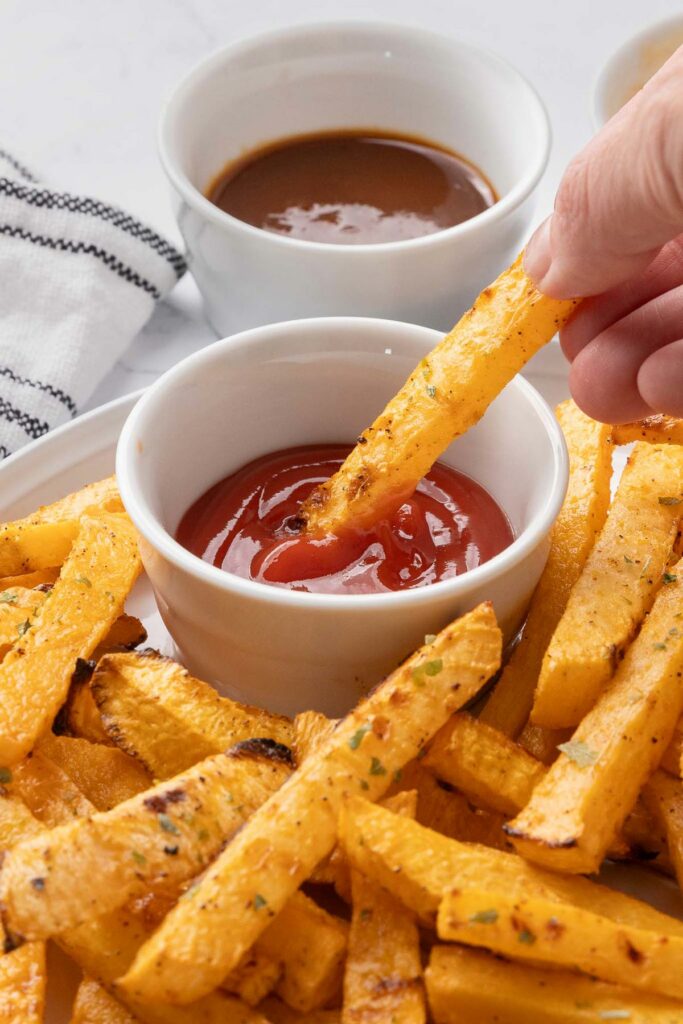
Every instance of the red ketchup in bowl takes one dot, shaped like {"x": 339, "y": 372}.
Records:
{"x": 247, "y": 524}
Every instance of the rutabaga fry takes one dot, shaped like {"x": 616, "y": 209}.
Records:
{"x": 446, "y": 394}
{"x": 94, "y": 1005}
{"x": 419, "y": 867}
{"x": 616, "y": 587}
{"x": 154, "y": 710}
{"x": 104, "y": 775}
{"x": 581, "y": 518}
{"x": 43, "y": 540}
{"x": 383, "y": 976}
{"x": 203, "y": 939}
{"x": 577, "y": 809}
{"x": 468, "y": 985}
{"x": 86, "y": 600}
{"x": 171, "y": 831}
{"x": 554, "y": 933}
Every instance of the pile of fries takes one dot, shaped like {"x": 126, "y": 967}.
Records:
{"x": 203, "y": 861}
{"x": 206, "y": 861}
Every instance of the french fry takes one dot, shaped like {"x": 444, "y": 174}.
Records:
{"x": 551, "y": 932}
{"x": 43, "y": 540}
{"x": 79, "y": 716}
{"x": 473, "y": 986}
{"x": 445, "y": 395}
{"x": 105, "y": 775}
{"x": 171, "y": 831}
{"x": 155, "y": 711}
{"x": 581, "y": 518}
{"x": 657, "y": 429}
{"x": 543, "y": 744}
{"x": 254, "y": 978}
{"x": 127, "y": 632}
{"x": 94, "y": 1005}
{"x": 578, "y": 808}
{"x": 83, "y": 605}
{"x": 22, "y": 985}
{"x": 283, "y": 841}
{"x": 616, "y": 588}
{"x": 30, "y": 580}
{"x": 663, "y": 797}
{"x": 419, "y": 867}
{"x": 383, "y": 976}
{"x": 483, "y": 763}
{"x": 310, "y": 945}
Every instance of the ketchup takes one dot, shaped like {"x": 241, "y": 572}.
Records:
{"x": 247, "y": 524}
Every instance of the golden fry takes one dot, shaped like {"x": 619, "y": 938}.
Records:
{"x": 447, "y": 393}
{"x": 94, "y": 1005}
{"x": 581, "y": 518}
{"x": 616, "y": 587}
{"x": 658, "y": 429}
{"x": 104, "y": 775}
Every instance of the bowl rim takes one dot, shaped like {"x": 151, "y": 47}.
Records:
{"x": 602, "y": 78}
{"x": 193, "y": 197}
{"x": 158, "y": 537}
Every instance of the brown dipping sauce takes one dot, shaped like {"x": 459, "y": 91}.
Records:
{"x": 352, "y": 188}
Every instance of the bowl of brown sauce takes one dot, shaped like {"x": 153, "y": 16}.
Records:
{"x": 353, "y": 168}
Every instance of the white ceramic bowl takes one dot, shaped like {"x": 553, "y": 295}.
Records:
{"x": 318, "y": 380}
{"x": 351, "y": 75}
{"x": 632, "y": 64}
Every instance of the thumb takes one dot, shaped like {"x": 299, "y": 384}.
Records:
{"x": 620, "y": 199}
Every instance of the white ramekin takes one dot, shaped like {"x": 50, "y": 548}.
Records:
{"x": 304, "y": 382}
{"x": 632, "y": 64}
{"x": 351, "y": 75}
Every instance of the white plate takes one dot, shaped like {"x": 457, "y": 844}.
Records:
{"x": 83, "y": 451}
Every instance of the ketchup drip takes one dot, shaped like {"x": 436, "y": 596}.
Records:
{"x": 248, "y": 524}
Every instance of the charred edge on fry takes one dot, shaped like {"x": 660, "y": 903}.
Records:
{"x": 262, "y": 747}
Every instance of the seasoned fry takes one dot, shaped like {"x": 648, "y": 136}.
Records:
{"x": 311, "y": 728}
{"x": 616, "y": 587}
{"x": 581, "y": 518}
{"x": 79, "y": 716}
{"x": 94, "y": 1005}
{"x": 43, "y": 540}
{"x": 383, "y": 977}
{"x": 47, "y": 791}
{"x": 419, "y": 867}
{"x": 105, "y": 775}
{"x": 154, "y": 710}
{"x": 657, "y": 429}
{"x": 482, "y": 762}
{"x": 578, "y": 808}
{"x": 310, "y": 945}
{"x": 84, "y": 603}
{"x": 446, "y": 394}
{"x": 22, "y": 985}
{"x": 467, "y": 985}
{"x": 282, "y": 842}
{"x": 549, "y": 931}
{"x": 171, "y": 831}
{"x": 663, "y": 797}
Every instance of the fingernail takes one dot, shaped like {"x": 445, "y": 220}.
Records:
{"x": 538, "y": 257}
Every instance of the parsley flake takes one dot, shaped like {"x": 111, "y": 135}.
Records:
{"x": 526, "y": 937}
{"x": 23, "y": 627}
{"x": 5, "y": 775}
{"x": 365, "y": 914}
{"x": 357, "y": 737}
{"x": 484, "y": 917}
{"x": 430, "y": 638}
{"x": 259, "y": 901}
{"x": 84, "y": 580}
{"x": 431, "y": 390}
{"x": 397, "y": 776}
{"x": 579, "y": 753}
{"x": 669, "y": 577}
{"x": 364, "y": 784}
{"x": 376, "y": 767}
{"x": 669, "y": 501}
{"x": 629, "y": 561}
{"x": 659, "y": 647}
{"x": 8, "y": 597}
{"x": 138, "y": 857}
{"x": 167, "y": 825}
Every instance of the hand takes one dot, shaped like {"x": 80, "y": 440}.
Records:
{"x": 616, "y": 234}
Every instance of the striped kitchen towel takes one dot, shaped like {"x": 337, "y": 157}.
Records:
{"x": 78, "y": 280}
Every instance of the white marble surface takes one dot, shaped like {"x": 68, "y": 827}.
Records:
{"x": 83, "y": 82}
